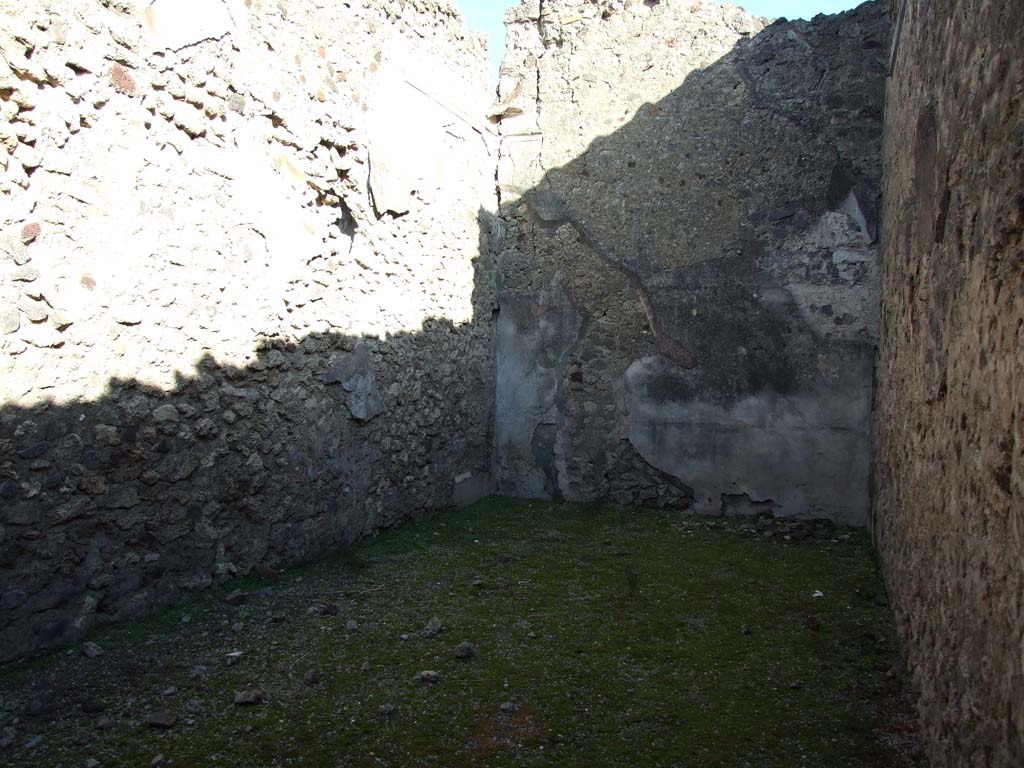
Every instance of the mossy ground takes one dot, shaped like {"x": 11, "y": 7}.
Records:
{"x": 622, "y": 637}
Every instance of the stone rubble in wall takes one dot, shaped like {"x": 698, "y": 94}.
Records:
{"x": 697, "y": 150}
{"x": 187, "y": 246}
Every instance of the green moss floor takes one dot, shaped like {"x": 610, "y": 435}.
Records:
{"x": 600, "y": 637}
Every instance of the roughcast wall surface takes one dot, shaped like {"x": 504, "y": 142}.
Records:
{"x": 689, "y": 276}
{"x": 949, "y": 508}
{"x": 245, "y": 291}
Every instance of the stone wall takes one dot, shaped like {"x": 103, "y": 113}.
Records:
{"x": 949, "y": 500}
{"x": 689, "y": 273}
{"x": 246, "y": 291}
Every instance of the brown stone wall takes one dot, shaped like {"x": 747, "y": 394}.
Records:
{"x": 245, "y": 291}
{"x": 949, "y": 489}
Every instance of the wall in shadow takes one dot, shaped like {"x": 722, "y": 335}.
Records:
{"x": 689, "y": 281}
{"x": 246, "y": 305}
{"x": 117, "y": 506}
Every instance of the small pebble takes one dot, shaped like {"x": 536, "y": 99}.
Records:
{"x": 434, "y": 627}
{"x": 428, "y": 677}
{"x": 248, "y": 697}
{"x": 92, "y": 706}
{"x": 266, "y": 573}
{"x": 464, "y": 651}
{"x": 237, "y": 597}
{"x": 386, "y": 710}
{"x": 91, "y": 650}
{"x": 162, "y": 719}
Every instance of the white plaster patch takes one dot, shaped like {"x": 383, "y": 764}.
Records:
{"x": 177, "y": 24}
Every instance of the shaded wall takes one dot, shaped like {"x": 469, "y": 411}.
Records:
{"x": 689, "y": 276}
{"x": 949, "y": 509}
{"x": 245, "y": 292}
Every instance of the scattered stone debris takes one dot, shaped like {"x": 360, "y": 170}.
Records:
{"x": 161, "y": 719}
{"x": 248, "y": 697}
{"x": 266, "y": 573}
{"x": 434, "y": 627}
{"x": 428, "y": 677}
{"x": 91, "y": 650}
{"x": 237, "y": 597}
{"x": 92, "y": 706}
{"x": 323, "y": 609}
{"x": 765, "y": 524}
